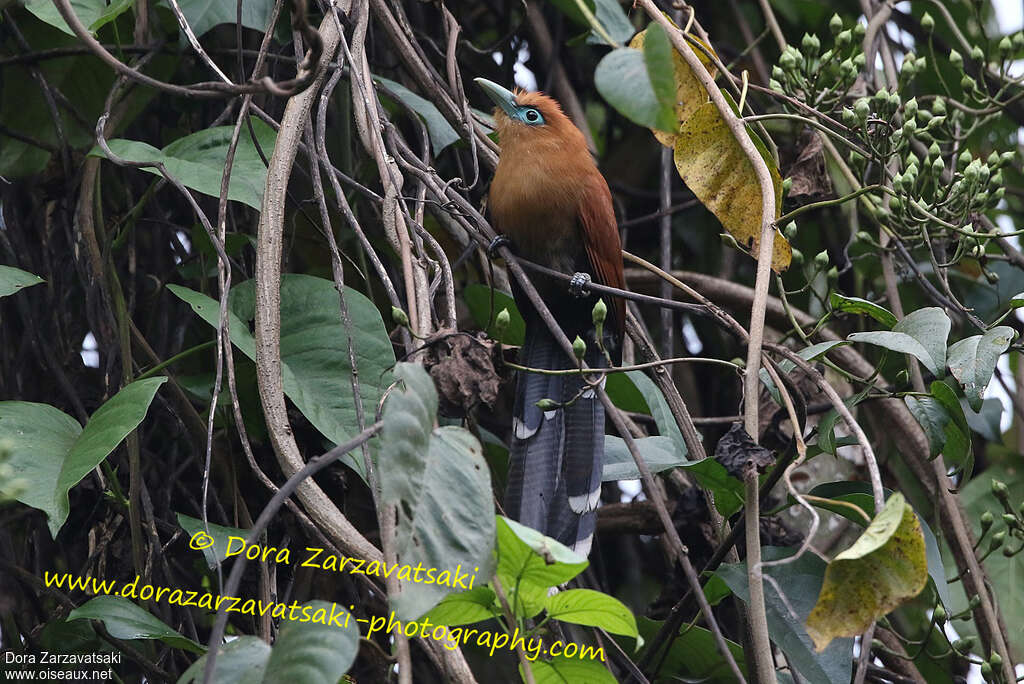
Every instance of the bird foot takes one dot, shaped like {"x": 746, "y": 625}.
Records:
{"x": 496, "y": 244}
{"x": 579, "y": 284}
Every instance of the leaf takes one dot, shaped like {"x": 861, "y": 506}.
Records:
{"x": 478, "y": 299}
{"x": 857, "y": 305}
{"x": 657, "y": 52}
{"x": 562, "y": 669}
{"x": 624, "y": 393}
{"x": 988, "y": 421}
{"x": 973, "y": 360}
{"x": 87, "y": 11}
{"x": 465, "y": 608}
{"x": 884, "y": 568}
{"x": 440, "y": 131}
{"x": 659, "y": 410}
{"x": 957, "y": 448}
{"x": 197, "y": 160}
{"x": 313, "y": 651}
{"x": 933, "y": 418}
{"x": 125, "y": 620}
{"x": 1017, "y": 300}
{"x": 659, "y": 453}
{"x": 800, "y": 581}
{"x": 712, "y": 475}
{"x": 52, "y": 453}
{"x": 203, "y": 15}
{"x": 714, "y": 166}
{"x": 214, "y": 553}
{"x": 622, "y": 79}
{"x": 593, "y": 609}
{"x": 314, "y": 347}
{"x": 693, "y": 655}
{"x": 527, "y": 557}
{"x": 810, "y": 353}
{"x": 921, "y": 333}
{"x": 243, "y": 659}
{"x": 14, "y": 279}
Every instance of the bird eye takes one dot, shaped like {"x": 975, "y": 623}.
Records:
{"x": 532, "y": 116}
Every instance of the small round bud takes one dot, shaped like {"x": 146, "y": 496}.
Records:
{"x": 821, "y": 259}
{"x": 862, "y": 108}
{"x": 994, "y": 160}
{"x": 1007, "y": 157}
{"x": 847, "y": 69}
{"x": 940, "y": 614}
{"x": 981, "y": 198}
{"x": 939, "y": 106}
{"x": 579, "y": 347}
{"x": 910, "y": 107}
{"x": 1005, "y": 46}
{"x": 971, "y": 171}
{"x": 863, "y": 236}
{"x": 859, "y": 30}
{"x": 895, "y": 204}
{"x": 894, "y": 101}
{"x": 897, "y": 183}
{"x": 775, "y": 86}
{"x": 936, "y": 122}
{"x": 964, "y": 159}
{"x": 992, "y": 277}
{"x": 835, "y": 24}
{"x": 934, "y": 150}
{"x": 977, "y": 54}
{"x": 859, "y": 59}
{"x": 986, "y": 671}
{"x": 787, "y": 61}
{"x": 1000, "y": 490}
{"x": 1018, "y": 40}
{"x": 600, "y": 312}
{"x": 995, "y": 659}
{"x": 998, "y": 195}
{"x": 399, "y": 317}
{"x": 997, "y": 539}
{"x": 844, "y": 38}
{"x": 983, "y": 173}
{"x": 787, "y": 183}
{"x": 547, "y": 404}
{"x": 778, "y": 74}
{"x": 849, "y": 118}
{"x": 797, "y": 258}
{"x": 927, "y": 23}
{"x": 986, "y": 521}
{"x": 956, "y": 59}
{"x": 963, "y": 645}
{"x": 909, "y": 127}
{"x": 810, "y": 44}
{"x": 968, "y": 83}
{"x": 790, "y": 231}
{"x": 501, "y": 322}
{"x": 1010, "y": 520}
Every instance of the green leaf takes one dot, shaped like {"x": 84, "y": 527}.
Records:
{"x": 973, "y": 360}
{"x": 441, "y": 487}
{"x": 314, "y": 347}
{"x": 203, "y": 15}
{"x": 571, "y": 9}
{"x": 478, "y": 299}
{"x": 933, "y": 418}
{"x": 612, "y": 19}
{"x": 313, "y": 651}
{"x": 87, "y": 11}
{"x": 197, "y": 160}
{"x": 693, "y": 655}
{"x": 659, "y": 453}
{"x": 593, "y": 609}
{"x": 624, "y": 393}
{"x": 125, "y": 620}
{"x": 712, "y": 475}
{"x": 465, "y": 608}
{"x": 921, "y": 333}
{"x": 884, "y": 568}
{"x": 957, "y": 448}
{"x": 14, "y": 279}
{"x": 215, "y": 553}
{"x": 52, "y": 453}
{"x": 800, "y": 581}
{"x": 525, "y": 556}
{"x": 659, "y": 410}
{"x": 1017, "y": 300}
{"x": 810, "y": 353}
{"x": 562, "y": 670}
{"x": 622, "y": 79}
{"x": 440, "y": 131}
{"x": 856, "y": 305}
{"x": 243, "y": 659}
{"x": 988, "y": 421}
{"x": 660, "y": 70}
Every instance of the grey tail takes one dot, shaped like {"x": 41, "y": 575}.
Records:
{"x": 554, "y": 481}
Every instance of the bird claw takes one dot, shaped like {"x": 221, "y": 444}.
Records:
{"x": 579, "y": 285}
{"x": 496, "y": 244}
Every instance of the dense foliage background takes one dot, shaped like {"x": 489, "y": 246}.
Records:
{"x": 144, "y": 342}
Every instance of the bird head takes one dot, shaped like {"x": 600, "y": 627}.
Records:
{"x": 534, "y": 119}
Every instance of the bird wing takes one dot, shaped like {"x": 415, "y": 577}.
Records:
{"x": 602, "y": 242}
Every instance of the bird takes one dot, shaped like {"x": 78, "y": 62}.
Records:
{"x": 550, "y": 202}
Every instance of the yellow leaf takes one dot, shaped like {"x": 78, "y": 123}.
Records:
{"x": 883, "y": 569}
{"x": 709, "y": 159}
{"x": 714, "y": 166}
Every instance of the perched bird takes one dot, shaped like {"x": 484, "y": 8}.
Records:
{"x": 554, "y": 207}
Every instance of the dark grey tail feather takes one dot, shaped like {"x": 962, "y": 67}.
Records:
{"x": 556, "y": 456}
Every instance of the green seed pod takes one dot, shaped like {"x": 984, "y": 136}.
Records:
{"x": 996, "y": 181}
{"x": 863, "y": 236}
{"x": 547, "y": 404}
{"x": 994, "y": 160}
{"x": 897, "y": 183}
{"x": 939, "y": 106}
{"x": 981, "y": 198}
{"x": 775, "y": 85}
{"x": 1010, "y": 520}
{"x": 821, "y": 259}
{"x": 936, "y": 122}
{"x": 995, "y": 659}
{"x": 881, "y": 97}
{"x": 399, "y": 317}
{"x": 909, "y": 127}
{"x": 895, "y": 204}
{"x": 1018, "y": 40}
{"x": 977, "y": 54}
{"x": 894, "y": 101}
{"x": 1007, "y": 157}
{"x": 924, "y": 116}
{"x": 600, "y": 312}
{"x": 859, "y": 59}
{"x": 964, "y": 159}
{"x": 798, "y": 257}
{"x": 832, "y": 276}
{"x": 844, "y": 38}
{"x": 934, "y": 150}
{"x": 862, "y": 109}
{"x": 986, "y": 672}
{"x": 987, "y": 518}
{"x": 1000, "y": 490}
{"x": 826, "y": 56}
{"x": 835, "y": 24}
{"x": 968, "y": 83}
{"x": 810, "y": 44}
{"x": 501, "y": 322}
{"x": 956, "y": 59}
{"x": 971, "y": 172}
{"x": 849, "y": 118}
{"x": 998, "y": 194}
{"x": 789, "y": 232}
{"x": 859, "y": 30}
{"x": 983, "y": 173}
{"x": 778, "y": 74}
{"x": 964, "y": 645}
{"x": 927, "y": 23}
{"x": 940, "y": 614}
{"x": 787, "y": 183}
{"x": 910, "y": 108}
{"x": 847, "y": 68}
{"x": 579, "y": 347}
{"x": 787, "y": 61}
{"x": 1005, "y": 46}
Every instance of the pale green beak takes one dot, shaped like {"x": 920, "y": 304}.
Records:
{"x": 500, "y": 96}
